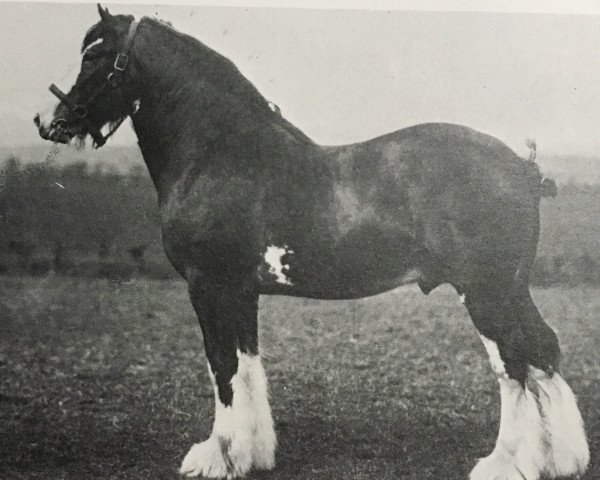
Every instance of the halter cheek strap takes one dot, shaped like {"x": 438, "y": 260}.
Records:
{"x": 113, "y": 81}
{"x": 122, "y": 60}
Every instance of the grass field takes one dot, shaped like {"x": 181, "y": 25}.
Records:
{"x": 100, "y": 380}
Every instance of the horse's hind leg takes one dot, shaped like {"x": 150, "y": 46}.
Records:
{"x": 541, "y": 430}
{"x": 243, "y": 436}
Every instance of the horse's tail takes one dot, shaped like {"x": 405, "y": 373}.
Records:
{"x": 546, "y": 187}
{"x": 530, "y": 142}
{"x": 540, "y": 187}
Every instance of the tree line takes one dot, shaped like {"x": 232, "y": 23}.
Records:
{"x": 72, "y": 219}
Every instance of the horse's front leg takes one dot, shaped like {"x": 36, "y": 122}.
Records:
{"x": 243, "y": 436}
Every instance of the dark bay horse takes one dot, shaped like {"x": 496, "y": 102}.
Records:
{"x": 250, "y": 205}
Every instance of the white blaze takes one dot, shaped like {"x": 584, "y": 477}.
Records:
{"x": 273, "y": 257}
{"x": 95, "y": 42}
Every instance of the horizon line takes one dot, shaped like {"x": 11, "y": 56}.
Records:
{"x": 85, "y": 149}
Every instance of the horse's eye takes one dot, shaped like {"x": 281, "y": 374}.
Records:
{"x": 93, "y": 54}
{"x": 89, "y": 56}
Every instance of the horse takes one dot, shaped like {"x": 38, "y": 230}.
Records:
{"x": 250, "y": 205}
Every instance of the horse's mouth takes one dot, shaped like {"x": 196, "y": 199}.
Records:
{"x": 59, "y": 135}
{"x": 58, "y": 131}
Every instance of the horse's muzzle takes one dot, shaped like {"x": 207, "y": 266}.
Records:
{"x": 57, "y": 131}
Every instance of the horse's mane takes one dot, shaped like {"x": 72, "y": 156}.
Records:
{"x": 223, "y": 73}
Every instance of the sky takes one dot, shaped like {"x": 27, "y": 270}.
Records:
{"x": 349, "y": 75}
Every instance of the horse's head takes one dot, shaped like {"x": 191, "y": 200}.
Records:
{"x": 99, "y": 95}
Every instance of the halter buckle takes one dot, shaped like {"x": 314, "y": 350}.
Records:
{"x": 121, "y": 62}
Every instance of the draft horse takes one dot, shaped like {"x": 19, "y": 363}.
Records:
{"x": 249, "y": 205}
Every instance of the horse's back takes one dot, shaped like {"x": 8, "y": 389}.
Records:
{"x": 453, "y": 168}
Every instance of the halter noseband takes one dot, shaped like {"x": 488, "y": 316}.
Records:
{"x": 113, "y": 80}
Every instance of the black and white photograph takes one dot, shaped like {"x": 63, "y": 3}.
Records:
{"x": 300, "y": 240}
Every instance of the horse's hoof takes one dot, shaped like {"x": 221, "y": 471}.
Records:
{"x": 568, "y": 454}
{"x": 207, "y": 459}
{"x": 503, "y": 466}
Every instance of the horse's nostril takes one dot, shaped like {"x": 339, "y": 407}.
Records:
{"x": 36, "y": 119}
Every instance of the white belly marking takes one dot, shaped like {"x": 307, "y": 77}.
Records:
{"x": 273, "y": 257}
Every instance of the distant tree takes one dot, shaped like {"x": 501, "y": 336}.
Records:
{"x": 21, "y": 248}
{"x": 72, "y": 208}
{"x": 12, "y": 202}
{"x": 104, "y": 209}
{"x": 103, "y": 250}
{"x": 12, "y": 165}
{"x": 137, "y": 254}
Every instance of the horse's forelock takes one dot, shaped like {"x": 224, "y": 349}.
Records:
{"x": 103, "y": 31}
{"x": 94, "y": 34}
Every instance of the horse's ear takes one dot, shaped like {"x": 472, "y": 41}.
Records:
{"x": 103, "y": 12}
{"x": 106, "y": 17}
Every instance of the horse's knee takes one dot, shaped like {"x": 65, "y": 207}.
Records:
{"x": 228, "y": 317}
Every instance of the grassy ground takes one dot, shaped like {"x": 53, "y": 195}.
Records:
{"x": 99, "y": 380}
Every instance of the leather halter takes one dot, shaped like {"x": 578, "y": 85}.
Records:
{"x": 113, "y": 81}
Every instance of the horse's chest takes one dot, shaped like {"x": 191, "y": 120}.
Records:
{"x": 209, "y": 216}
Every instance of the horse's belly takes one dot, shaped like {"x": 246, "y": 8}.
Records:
{"x": 364, "y": 262}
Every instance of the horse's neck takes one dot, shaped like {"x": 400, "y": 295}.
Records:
{"x": 176, "y": 123}
{"x": 156, "y": 138}
{"x": 186, "y": 118}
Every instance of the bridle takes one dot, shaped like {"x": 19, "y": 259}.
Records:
{"x": 113, "y": 81}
